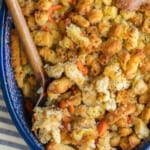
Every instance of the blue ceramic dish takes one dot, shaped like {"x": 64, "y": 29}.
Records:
{"x": 12, "y": 94}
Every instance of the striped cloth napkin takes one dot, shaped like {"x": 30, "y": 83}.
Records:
{"x": 9, "y": 137}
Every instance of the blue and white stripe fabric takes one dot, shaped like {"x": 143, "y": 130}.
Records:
{"x": 9, "y": 137}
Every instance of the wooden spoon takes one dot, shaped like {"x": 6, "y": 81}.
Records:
{"x": 130, "y": 4}
{"x": 29, "y": 46}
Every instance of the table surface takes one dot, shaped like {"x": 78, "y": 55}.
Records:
{"x": 9, "y": 136}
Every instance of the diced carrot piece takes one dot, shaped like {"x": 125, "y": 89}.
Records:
{"x": 35, "y": 117}
{"x": 63, "y": 104}
{"x": 71, "y": 109}
{"x": 129, "y": 119}
{"x": 102, "y": 127}
{"x": 72, "y": 2}
{"x": 51, "y": 11}
{"x": 82, "y": 68}
{"x": 66, "y": 119}
{"x": 44, "y": 28}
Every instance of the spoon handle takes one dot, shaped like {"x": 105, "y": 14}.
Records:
{"x": 27, "y": 41}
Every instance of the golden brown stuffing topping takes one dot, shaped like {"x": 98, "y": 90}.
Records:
{"x": 96, "y": 55}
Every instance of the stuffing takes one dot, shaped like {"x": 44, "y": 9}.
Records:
{"x": 76, "y": 35}
{"x": 21, "y": 2}
{"x": 46, "y": 125}
{"x": 95, "y": 16}
{"x": 56, "y": 36}
{"x": 66, "y": 43}
{"x": 113, "y": 70}
{"x": 145, "y": 27}
{"x": 44, "y": 5}
{"x": 104, "y": 97}
{"x": 23, "y": 72}
{"x": 89, "y": 96}
{"x": 133, "y": 140}
{"x": 139, "y": 109}
{"x": 117, "y": 30}
{"x": 125, "y": 131}
{"x": 145, "y": 115}
{"x": 115, "y": 139}
{"x": 62, "y": 55}
{"x": 41, "y": 17}
{"x": 60, "y": 85}
{"x": 124, "y": 143}
{"x": 91, "y": 58}
{"x": 104, "y": 27}
{"x": 119, "y": 83}
{"x": 42, "y": 38}
{"x": 124, "y": 57}
{"x": 110, "y": 12}
{"x": 143, "y": 99}
{"x": 89, "y": 144}
{"x": 98, "y": 4}
{"x": 95, "y": 40}
{"x": 123, "y": 123}
{"x": 74, "y": 100}
{"x": 95, "y": 112}
{"x": 66, "y": 2}
{"x": 83, "y": 128}
{"x": 102, "y": 84}
{"x": 123, "y": 97}
{"x": 104, "y": 142}
{"x": 111, "y": 46}
{"x": 137, "y": 19}
{"x": 81, "y": 111}
{"x": 145, "y": 67}
{"x": 140, "y": 128}
{"x": 110, "y": 104}
{"x": 133, "y": 64}
{"x": 95, "y": 68}
{"x": 84, "y": 6}
{"x": 53, "y": 146}
{"x": 127, "y": 14}
{"x": 107, "y": 2}
{"x": 80, "y": 21}
{"x": 51, "y": 96}
{"x": 139, "y": 87}
{"x": 132, "y": 38}
{"x": 28, "y": 8}
{"x": 79, "y": 134}
{"x": 48, "y": 55}
{"x": 72, "y": 72}
{"x": 29, "y": 87}
{"x": 15, "y": 59}
{"x": 120, "y": 112}
{"x": 104, "y": 59}
{"x": 55, "y": 71}
{"x": 31, "y": 23}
